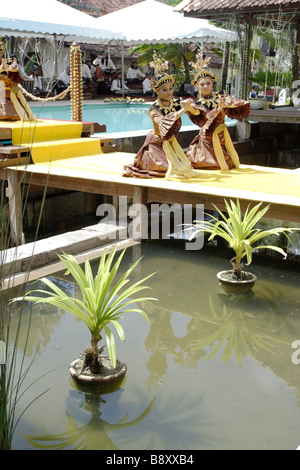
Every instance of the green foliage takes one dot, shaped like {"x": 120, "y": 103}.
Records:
{"x": 12, "y": 378}
{"x": 173, "y": 3}
{"x": 273, "y": 78}
{"x": 29, "y": 65}
{"x": 178, "y": 55}
{"x": 102, "y": 303}
{"x": 240, "y": 233}
{"x": 15, "y": 368}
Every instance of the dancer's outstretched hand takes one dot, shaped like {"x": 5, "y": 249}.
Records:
{"x": 187, "y": 104}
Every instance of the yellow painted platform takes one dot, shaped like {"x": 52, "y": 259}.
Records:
{"x": 102, "y": 174}
{"x": 45, "y": 139}
{"x": 246, "y": 178}
{"x": 89, "y": 170}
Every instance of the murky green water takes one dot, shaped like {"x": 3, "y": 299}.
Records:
{"x": 212, "y": 371}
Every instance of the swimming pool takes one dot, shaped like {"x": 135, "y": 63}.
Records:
{"x": 117, "y": 117}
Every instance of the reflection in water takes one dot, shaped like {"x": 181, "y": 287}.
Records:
{"x": 162, "y": 341}
{"x": 94, "y": 435}
{"x": 234, "y": 400}
{"x": 177, "y": 422}
{"x": 43, "y": 323}
{"x": 238, "y": 332}
{"x": 241, "y": 333}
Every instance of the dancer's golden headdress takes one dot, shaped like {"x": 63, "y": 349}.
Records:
{"x": 201, "y": 69}
{"x": 2, "y": 47}
{"x": 161, "y": 77}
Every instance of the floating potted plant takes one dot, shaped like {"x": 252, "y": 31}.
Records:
{"x": 242, "y": 236}
{"x": 104, "y": 301}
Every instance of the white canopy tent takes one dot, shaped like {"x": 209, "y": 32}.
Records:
{"x": 153, "y": 22}
{"x": 53, "y": 21}
{"x": 146, "y": 22}
{"x": 36, "y": 18}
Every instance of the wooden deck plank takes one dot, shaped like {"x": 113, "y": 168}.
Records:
{"x": 15, "y": 161}
{"x": 5, "y": 133}
{"x": 13, "y": 149}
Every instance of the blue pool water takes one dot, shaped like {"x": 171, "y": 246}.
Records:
{"x": 116, "y": 117}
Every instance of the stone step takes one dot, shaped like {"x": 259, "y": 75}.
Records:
{"x": 33, "y": 260}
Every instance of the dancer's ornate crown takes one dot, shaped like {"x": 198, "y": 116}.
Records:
{"x": 201, "y": 69}
{"x": 161, "y": 77}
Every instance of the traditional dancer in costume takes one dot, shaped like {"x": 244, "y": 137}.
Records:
{"x": 212, "y": 148}
{"x": 13, "y": 105}
{"x": 161, "y": 155}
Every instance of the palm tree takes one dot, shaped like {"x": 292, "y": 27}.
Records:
{"x": 178, "y": 55}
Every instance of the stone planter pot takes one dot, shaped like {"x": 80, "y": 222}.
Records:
{"x": 109, "y": 376}
{"x": 232, "y": 286}
{"x": 258, "y": 103}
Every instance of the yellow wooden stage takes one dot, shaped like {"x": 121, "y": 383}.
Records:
{"x": 96, "y": 172}
{"x": 102, "y": 174}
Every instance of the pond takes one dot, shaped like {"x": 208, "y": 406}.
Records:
{"x": 210, "y": 371}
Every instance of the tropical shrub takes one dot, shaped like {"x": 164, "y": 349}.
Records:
{"x": 104, "y": 301}
{"x": 240, "y": 232}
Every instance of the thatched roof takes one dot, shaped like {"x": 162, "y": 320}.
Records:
{"x": 98, "y": 8}
{"x": 220, "y": 8}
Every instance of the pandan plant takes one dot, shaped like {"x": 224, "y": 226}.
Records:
{"x": 240, "y": 233}
{"x": 104, "y": 301}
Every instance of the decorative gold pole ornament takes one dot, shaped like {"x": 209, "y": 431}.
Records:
{"x": 76, "y": 82}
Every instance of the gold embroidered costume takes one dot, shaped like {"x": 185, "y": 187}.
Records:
{"x": 151, "y": 159}
{"x": 161, "y": 155}
{"x": 212, "y": 148}
{"x": 13, "y": 106}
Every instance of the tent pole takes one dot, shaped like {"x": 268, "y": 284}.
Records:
{"x": 122, "y": 66}
{"x": 55, "y": 57}
{"x": 202, "y": 47}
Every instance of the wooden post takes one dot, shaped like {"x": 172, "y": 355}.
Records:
{"x": 296, "y": 53}
{"x": 15, "y": 208}
{"x": 137, "y": 213}
{"x": 225, "y": 66}
{"x": 246, "y": 55}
